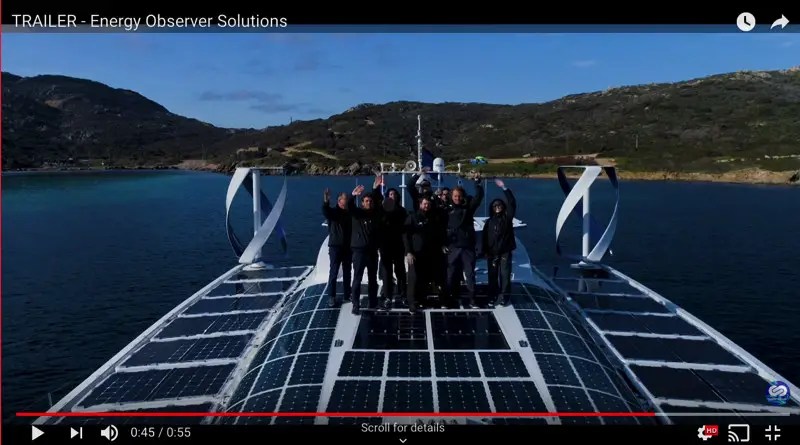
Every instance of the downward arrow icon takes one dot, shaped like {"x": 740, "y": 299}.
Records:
{"x": 403, "y": 440}
{"x": 783, "y": 21}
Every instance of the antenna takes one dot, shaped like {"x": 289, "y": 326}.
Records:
{"x": 419, "y": 142}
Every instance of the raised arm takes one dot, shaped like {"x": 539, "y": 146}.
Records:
{"x": 476, "y": 201}
{"x": 327, "y": 211}
{"x": 412, "y": 190}
{"x": 511, "y": 207}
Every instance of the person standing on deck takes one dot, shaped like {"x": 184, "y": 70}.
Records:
{"x": 364, "y": 242}
{"x": 461, "y": 240}
{"x": 391, "y": 248}
{"x": 498, "y": 243}
{"x": 422, "y": 240}
{"x": 339, "y": 254}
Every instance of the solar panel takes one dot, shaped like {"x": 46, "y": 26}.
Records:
{"x": 286, "y": 345}
{"x": 273, "y": 375}
{"x": 159, "y": 384}
{"x": 262, "y": 403}
{"x": 503, "y": 364}
{"x": 574, "y": 345}
{"x": 556, "y": 370}
{"x": 466, "y": 330}
{"x": 409, "y": 364}
{"x": 306, "y": 304}
{"x": 405, "y": 396}
{"x": 302, "y": 399}
{"x": 207, "y": 325}
{"x": 309, "y": 368}
{"x": 675, "y": 383}
{"x": 297, "y": 322}
{"x": 619, "y": 303}
{"x": 391, "y": 330}
{"x": 456, "y": 364}
{"x": 362, "y": 363}
{"x": 243, "y": 388}
{"x": 318, "y": 340}
{"x": 542, "y": 341}
{"x": 258, "y": 287}
{"x": 531, "y": 319}
{"x": 560, "y": 323}
{"x": 739, "y": 387}
{"x": 325, "y": 318}
{"x": 644, "y": 323}
{"x": 516, "y": 396}
{"x": 692, "y": 351}
{"x": 462, "y": 397}
{"x": 189, "y": 350}
{"x": 217, "y": 305}
{"x": 593, "y": 376}
{"x": 128, "y": 420}
{"x": 355, "y": 396}
{"x": 569, "y": 399}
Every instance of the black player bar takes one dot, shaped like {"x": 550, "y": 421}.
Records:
{"x": 298, "y": 13}
{"x": 389, "y": 433}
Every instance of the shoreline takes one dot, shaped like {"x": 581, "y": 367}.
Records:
{"x": 753, "y": 176}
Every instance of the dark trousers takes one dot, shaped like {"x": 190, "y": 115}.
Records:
{"x": 499, "y": 277}
{"x": 393, "y": 264}
{"x": 461, "y": 260}
{"x": 365, "y": 259}
{"x": 420, "y": 274}
{"x": 340, "y": 257}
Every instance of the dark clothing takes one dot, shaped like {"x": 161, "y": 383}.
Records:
{"x": 339, "y": 257}
{"x": 393, "y": 263}
{"x": 423, "y": 232}
{"x": 461, "y": 261}
{"x": 500, "y": 272}
{"x": 420, "y": 275}
{"x": 366, "y": 224}
{"x": 461, "y": 220}
{"x": 393, "y": 224}
{"x": 498, "y": 232}
{"x": 365, "y": 240}
{"x": 339, "y": 225}
{"x": 365, "y": 259}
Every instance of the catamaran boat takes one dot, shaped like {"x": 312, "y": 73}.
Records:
{"x": 585, "y": 339}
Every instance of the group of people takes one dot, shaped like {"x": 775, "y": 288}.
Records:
{"x": 427, "y": 249}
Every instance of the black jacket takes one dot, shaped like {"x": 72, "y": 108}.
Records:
{"x": 498, "y": 232}
{"x": 392, "y": 228}
{"x": 424, "y": 233}
{"x": 339, "y": 225}
{"x": 460, "y": 220}
{"x": 366, "y": 225}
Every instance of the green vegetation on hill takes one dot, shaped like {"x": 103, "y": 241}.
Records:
{"x": 714, "y": 124}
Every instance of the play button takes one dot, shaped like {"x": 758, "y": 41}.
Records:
{"x": 35, "y": 433}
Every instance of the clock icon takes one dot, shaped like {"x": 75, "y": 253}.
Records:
{"x": 746, "y": 21}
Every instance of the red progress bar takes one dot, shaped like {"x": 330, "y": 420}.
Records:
{"x": 332, "y": 414}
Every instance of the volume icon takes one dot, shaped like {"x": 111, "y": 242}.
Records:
{"x": 110, "y": 432}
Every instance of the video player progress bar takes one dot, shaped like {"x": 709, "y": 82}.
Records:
{"x": 385, "y": 414}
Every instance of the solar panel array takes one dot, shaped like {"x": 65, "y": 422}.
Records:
{"x": 431, "y": 361}
{"x": 186, "y": 364}
{"x": 288, "y": 369}
{"x": 683, "y": 366}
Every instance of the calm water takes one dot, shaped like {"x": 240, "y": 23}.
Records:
{"x": 91, "y": 260}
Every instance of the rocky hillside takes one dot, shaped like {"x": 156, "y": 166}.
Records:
{"x": 713, "y": 124}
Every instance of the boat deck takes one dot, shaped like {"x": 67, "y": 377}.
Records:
{"x": 577, "y": 341}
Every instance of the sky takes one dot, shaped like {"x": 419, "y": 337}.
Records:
{"x": 255, "y": 80}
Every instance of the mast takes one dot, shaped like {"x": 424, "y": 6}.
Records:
{"x": 419, "y": 142}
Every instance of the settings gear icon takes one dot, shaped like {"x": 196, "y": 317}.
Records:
{"x": 705, "y": 432}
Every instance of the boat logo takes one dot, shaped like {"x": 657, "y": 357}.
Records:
{"x": 778, "y": 393}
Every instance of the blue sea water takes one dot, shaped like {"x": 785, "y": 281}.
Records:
{"x": 90, "y": 260}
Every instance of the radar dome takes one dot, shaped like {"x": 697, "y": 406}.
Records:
{"x": 438, "y": 165}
